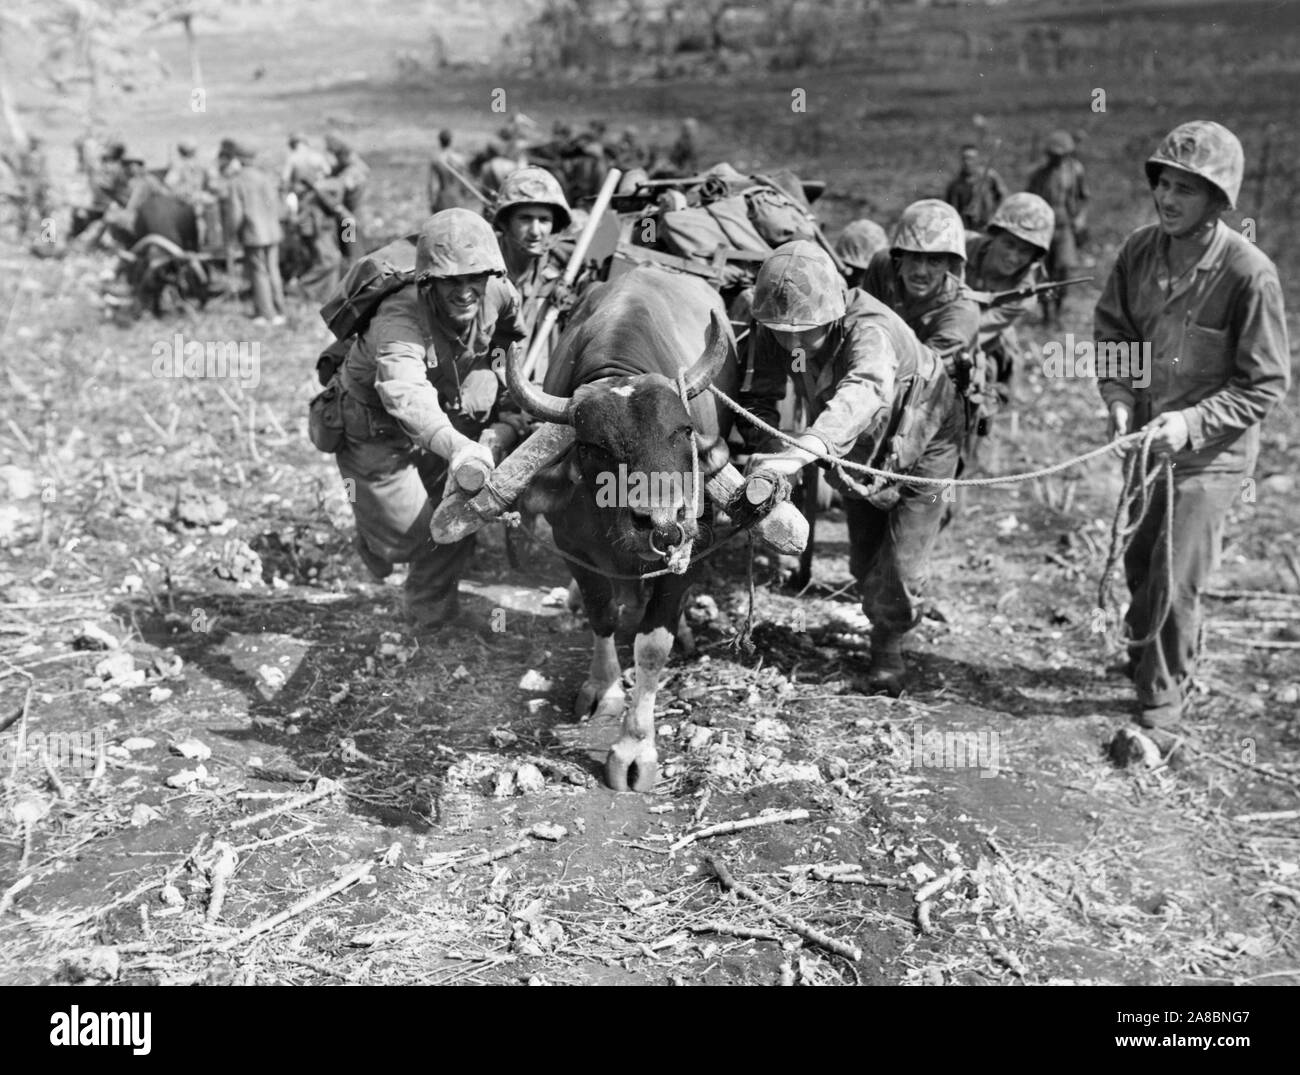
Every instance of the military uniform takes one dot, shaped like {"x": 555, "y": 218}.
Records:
{"x": 1218, "y": 343}
{"x": 354, "y": 175}
{"x": 251, "y": 210}
{"x": 1060, "y": 181}
{"x": 446, "y": 189}
{"x": 874, "y": 395}
{"x": 316, "y": 222}
{"x": 405, "y": 417}
{"x": 975, "y": 195}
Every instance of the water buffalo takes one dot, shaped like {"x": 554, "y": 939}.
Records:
{"x": 626, "y": 499}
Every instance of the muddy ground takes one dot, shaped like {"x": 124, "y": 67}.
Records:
{"x": 193, "y": 527}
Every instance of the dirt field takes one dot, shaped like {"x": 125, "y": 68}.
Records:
{"x": 191, "y": 522}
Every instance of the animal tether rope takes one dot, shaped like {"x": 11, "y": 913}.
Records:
{"x": 1130, "y": 509}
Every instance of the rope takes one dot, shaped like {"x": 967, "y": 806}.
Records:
{"x": 1135, "y": 501}
{"x": 1118, "y": 444}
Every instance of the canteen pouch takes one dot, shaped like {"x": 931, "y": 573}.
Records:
{"x": 325, "y": 419}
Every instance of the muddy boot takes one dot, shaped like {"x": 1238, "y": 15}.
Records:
{"x": 378, "y": 567}
{"x": 886, "y": 674}
{"x": 431, "y": 613}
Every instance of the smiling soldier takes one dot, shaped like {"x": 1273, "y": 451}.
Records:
{"x": 421, "y": 400}
{"x": 1209, "y": 304}
{"x": 530, "y": 211}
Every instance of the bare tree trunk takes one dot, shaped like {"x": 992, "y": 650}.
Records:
{"x": 192, "y": 46}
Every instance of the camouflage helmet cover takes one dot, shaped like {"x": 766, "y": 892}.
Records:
{"x": 798, "y": 288}
{"x": 1027, "y": 217}
{"x": 859, "y": 241}
{"x": 1060, "y": 143}
{"x": 457, "y": 242}
{"x": 930, "y": 226}
{"x": 1206, "y": 149}
{"x": 531, "y": 186}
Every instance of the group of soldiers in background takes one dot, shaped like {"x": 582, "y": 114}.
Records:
{"x": 977, "y": 190}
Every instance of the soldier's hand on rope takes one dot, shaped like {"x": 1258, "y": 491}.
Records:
{"x": 1121, "y": 421}
{"x": 1170, "y": 433}
{"x": 789, "y": 462}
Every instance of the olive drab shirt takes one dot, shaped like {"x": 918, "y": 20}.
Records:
{"x": 947, "y": 323}
{"x": 410, "y": 365}
{"x": 995, "y": 320}
{"x": 871, "y": 381}
{"x": 1217, "y": 343}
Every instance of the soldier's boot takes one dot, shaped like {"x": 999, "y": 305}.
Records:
{"x": 886, "y": 674}
{"x": 431, "y": 613}
{"x": 378, "y": 567}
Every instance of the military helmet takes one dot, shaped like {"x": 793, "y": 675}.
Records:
{"x": 457, "y": 242}
{"x": 531, "y": 186}
{"x": 859, "y": 241}
{"x": 1060, "y": 143}
{"x": 1027, "y": 217}
{"x": 798, "y": 288}
{"x": 930, "y": 227}
{"x": 1205, "y": 149}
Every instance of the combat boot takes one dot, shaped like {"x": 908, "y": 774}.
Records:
{"x": 378, "y": 567}
{"x": 431, "y": 613}
{"x": 886, "y": 673}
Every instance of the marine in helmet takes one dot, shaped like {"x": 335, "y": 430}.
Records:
{"x": 858, "y": 243}
{"x": 1204, "y": 305}
{"x": 1061, "y": 182}
{"x": 530, "y": 212}
{"x": 976, "y": 190}
{"x": 858, "y": 369}
{"x": 920, "y": 278}
{"x": 1007, "y": 256}
{"x": 422, "y": 398}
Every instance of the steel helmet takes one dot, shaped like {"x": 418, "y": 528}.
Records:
{"x": 858, "y": 241}
{"x": 457, "y": 242}
{"x": 1060, "y": 143}
{"x": 798, "y": 288}
{"x": 1205, "y": 149}
{"x": 531, "y": 186}
{"x": 1027, "y": 217}
{"x": 930, "y": 227}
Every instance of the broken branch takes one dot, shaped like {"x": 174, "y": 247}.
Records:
{"x": 736, "y": 826}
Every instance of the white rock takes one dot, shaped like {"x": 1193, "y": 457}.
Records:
{"x": 769, "y": 730}
{"x": 192, "y": 748}
{"x": 92, "y": 636}
{"x": 171, "y": 895}
{"x": 138, "y": 742}
{"x": 557, "y": 598}
{"x": 142, "y": 814}
{"x": 160, "y": 694}
{"x": 187, "y": 777}
{"x": 545, "y": 831}
{"x": 534, "y": 682}
{"x": 116, "y": 665}
{"x": 529, "y": 779}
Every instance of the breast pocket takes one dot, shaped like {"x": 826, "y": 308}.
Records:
{"x": 1207, "y": 354}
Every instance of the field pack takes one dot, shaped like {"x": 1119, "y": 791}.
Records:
{"x": 365, "y": 285}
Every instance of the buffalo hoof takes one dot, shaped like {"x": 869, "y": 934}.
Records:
{"x": 595, "y": 700}
{"x": 632, "y": 765}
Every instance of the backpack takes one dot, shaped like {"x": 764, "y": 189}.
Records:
{"x": 348, "y": 312}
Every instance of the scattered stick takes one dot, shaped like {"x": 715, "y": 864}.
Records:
{"x": 704, "y": 805}
{"x": 140, "y": 890}
{"x": 490, "y": 856}
{"x": 791, "y": 923}
{"x": 220, "y": 872}
{"x": 1258, "y": 643}
{"x": 1002, "y": 953}
{"x": 60, "y": 788}
{"x": 12, "y": 892}
{"x": 350, "y": 878}
{"x": 1247, "y": 595}
{"x": 1232, "y": 763}
{"x": 1270, "y": 815}
{"x": 746, "y": 932}
{"x": 736, "y": 826}
{"x": 325, "y": 787}
{"x": 932, "y": 888}
{"x": 923, "y": 919}
{"x": 864, "y": 879}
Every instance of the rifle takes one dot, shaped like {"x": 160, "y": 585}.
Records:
{"x": 993, "y": 299}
